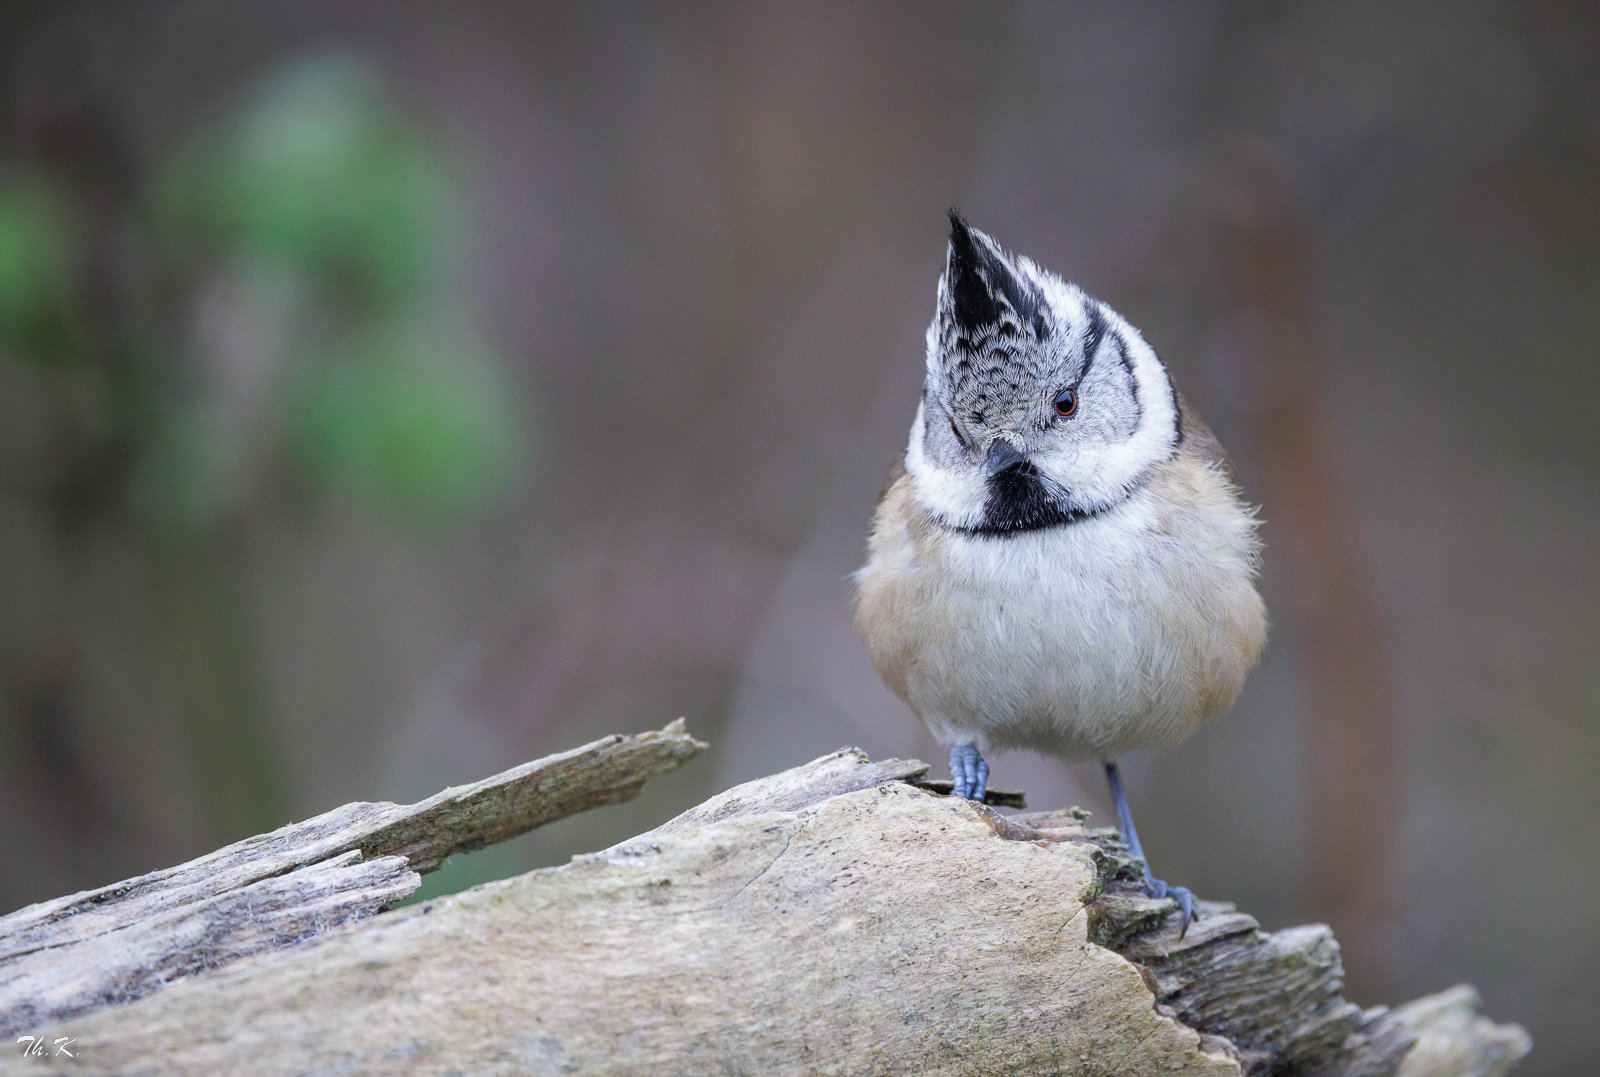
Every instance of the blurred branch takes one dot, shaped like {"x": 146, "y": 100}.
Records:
{"x": 831, "y": 918}
{"x": 62, "y": 958}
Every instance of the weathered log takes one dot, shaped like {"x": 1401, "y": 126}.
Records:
{"x": 1453, "y": 1041}
{"x": 831, "y": 919}
{"x": 118, "y": 943}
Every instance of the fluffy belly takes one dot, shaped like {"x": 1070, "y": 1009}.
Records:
{"x": 1083, "y": 641}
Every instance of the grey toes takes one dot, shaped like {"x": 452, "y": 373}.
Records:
{"x": 969, "y": 774}
{"x": 1181, "y": 894}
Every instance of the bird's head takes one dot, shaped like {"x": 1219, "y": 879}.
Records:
{"x": 1041, "y": 405}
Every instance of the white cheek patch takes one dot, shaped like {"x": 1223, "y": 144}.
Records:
{"x": 1099, "y": 475}
{"x": 957, "y": 496}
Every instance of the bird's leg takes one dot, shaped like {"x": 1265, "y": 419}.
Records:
{"x": 968, "y": 772}
{"x": 1152, "y": 885}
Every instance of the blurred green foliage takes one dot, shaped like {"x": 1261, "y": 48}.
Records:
{"x": 392, "y": 399}
{"x": 272, "y": 309}
{"x": 316, "y": 186}
{"x": 39, "y": 258}
{"x": 410, "y": 416}
{"x": 319, "y": 173}
{"x": 463, "y": 871}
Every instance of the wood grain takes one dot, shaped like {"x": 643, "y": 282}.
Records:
{"x": 117, "y": 943}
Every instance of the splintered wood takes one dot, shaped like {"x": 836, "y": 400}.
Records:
{"x": 118, "y": 943}
{"x": 833, "y": 919}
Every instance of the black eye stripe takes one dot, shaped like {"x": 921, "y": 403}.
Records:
{"x": 1093, "y": 334}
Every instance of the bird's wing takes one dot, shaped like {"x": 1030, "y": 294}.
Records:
{"x": 1197, "y": 439}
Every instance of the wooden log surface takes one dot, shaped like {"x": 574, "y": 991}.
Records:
{"x": 117, "y": 943}
{"x": 835, "y": 918}
{"x": 1453, "y": 1040}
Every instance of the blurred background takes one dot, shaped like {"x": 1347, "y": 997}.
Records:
{"x": 393, "y": 392}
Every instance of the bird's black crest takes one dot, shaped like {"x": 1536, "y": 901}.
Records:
{"x": 982, "y": 285}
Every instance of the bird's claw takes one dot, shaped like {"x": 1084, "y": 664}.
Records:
{"x": 969, "y": 774}
{"x": 1181, "y": 894}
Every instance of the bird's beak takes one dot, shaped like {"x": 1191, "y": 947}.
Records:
{"x": 1002, "y": 455}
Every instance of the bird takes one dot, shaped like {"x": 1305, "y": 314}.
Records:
{"x": 1061, "y": 559}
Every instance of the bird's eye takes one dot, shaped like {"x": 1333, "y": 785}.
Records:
{"x": 1066, "y": 403}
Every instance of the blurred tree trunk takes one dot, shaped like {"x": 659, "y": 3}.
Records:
{"x": 218, "y": 683}
{"x": 1314, "y": 536}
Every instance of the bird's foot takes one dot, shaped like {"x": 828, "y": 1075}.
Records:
{"x": 1158, "y": 889}
{"x": 968, "y": 772}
